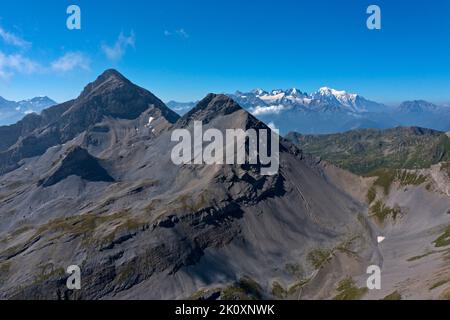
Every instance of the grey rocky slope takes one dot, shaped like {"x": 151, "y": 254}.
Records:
{"x": 411, "y": 209}
{"x": 146, "y": 228}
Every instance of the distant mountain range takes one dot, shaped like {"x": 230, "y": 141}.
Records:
{"x": 330, "y": 111}
{"x": 13, "y": 111}
{"x": 324, "y": 100}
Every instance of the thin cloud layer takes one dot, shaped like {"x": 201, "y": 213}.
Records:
{"x": 16, "y": 63}
{"x": 118, "y": 50}
{"x": 71, "y": 61}
{"x": 275, "y": 109}
{"x": 11, "y": 39}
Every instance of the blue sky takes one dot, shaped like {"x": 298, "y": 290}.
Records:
{"x": 183, "y": 49}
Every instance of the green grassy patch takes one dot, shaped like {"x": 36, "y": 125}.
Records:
{"x": 189, "y": 203}
{"x": 410, "y": 179}
{"x": 4, "y": 267}
{"x": 444, "y": 239}
{"x": 155, "y": 203}
{"x": 347, "y": 290}
{"x": 386, "y": 177}
{"x": 439, "y": 284}
{"x": 371, "y": 195}
{"x": 250, "y": 287}
{"x": 86, "y": 225}
{"x": 278, "y": 291}
{"x": 294, "y": 270}
{"x": 446, "y": 294}
{"x": 318, "y": 257}
{"x": 393, "y": 296}
{"x": 346, "y": 246}
{"x": 446, "y": 168}
{"x": 297, "y": 286}
{"x": 49, "y": 271}
{"x": 202, "y": 294}
{"x": 78, "y": 225}
{"x": 415, "y": 258}
{"x": 244, "y": 289}
{"x": 382, "y": 212}
{"x": 235, "y": 293}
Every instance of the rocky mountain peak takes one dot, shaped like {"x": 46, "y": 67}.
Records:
{"x": 108, "y": 81}
{"x": 211, "y": 106}
{"x": 111, "y": 94}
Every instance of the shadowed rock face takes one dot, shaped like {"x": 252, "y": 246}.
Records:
{"x": 79, "y": 163}
{"x": 161, "y": 231}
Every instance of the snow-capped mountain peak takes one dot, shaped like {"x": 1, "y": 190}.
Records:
{"x": 295, "y": 93}
{"x": 338, "y": 94}
{"x": 331, "y": 91}
{"x": 351, "y": 101}
{"x": 326, "y": 99}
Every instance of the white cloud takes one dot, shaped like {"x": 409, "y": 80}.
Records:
{"x": 276, "y": 109}
{"x": 118, "y": 50}
{"x": 71, "y": 61}
{"x": 180, "y": 32}
{"x": 14, "y": 40}
{"x": 16, "y": 63}
{"x": 272, "y": 126}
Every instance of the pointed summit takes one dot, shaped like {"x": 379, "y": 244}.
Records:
{"x": 112, "y": 75}
{"x": 213, "y": 105}
{"x": 109, "y": 80}
{"x": 111, "y": 94}
{"x": 225, "y": 110}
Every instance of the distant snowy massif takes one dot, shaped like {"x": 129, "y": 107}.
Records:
{"x": 329, "y": 111}
{"x": 12, "y": 111}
